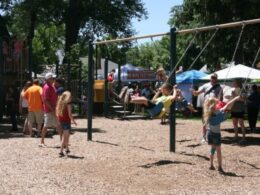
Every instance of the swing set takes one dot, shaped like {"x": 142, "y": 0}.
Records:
{"x": 171, "y": 79}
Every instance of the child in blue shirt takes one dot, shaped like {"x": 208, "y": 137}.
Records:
{"x": 212, "y": 119}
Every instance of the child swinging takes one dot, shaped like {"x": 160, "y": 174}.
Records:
{"x": 158, "y": 106}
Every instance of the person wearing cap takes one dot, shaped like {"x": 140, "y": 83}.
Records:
{"x": 210, "y": 89}
{"x": 49, "y": 105}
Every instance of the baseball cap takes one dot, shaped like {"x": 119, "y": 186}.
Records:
{"x": 49, "y": 75}
{"x": 214, "y": 75}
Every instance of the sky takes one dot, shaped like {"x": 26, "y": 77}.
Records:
{"x": 158, "y": 17}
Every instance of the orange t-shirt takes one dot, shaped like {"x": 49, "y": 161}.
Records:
{"x": 33, "y": 95}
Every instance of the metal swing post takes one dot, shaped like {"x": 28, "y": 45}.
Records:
{"x": 172, "y": 80}
{"x": 106, "y": 86}
{"x": 90, "y": 89}
{"x": 1, "y": 78}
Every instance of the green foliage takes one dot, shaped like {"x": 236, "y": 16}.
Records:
{"x": 200, "y": 13}
{"x": 47, "y": 40}
{"x": 77, "y": 20}
{"x": 151, "y": 55}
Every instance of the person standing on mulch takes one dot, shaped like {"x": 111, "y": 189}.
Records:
{"x": 211, "y": 89}
{"x": 23, "y": 106}
{"x": 64, "y": 114}
{"x": 34, "y": 97}
{"x": 238, "y": 110}
{"x": 212, "y": 119}
{"x": 49, "y": 104}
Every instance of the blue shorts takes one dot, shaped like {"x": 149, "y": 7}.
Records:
{"x": 154, "y": 109}
{"x": 214, "y": 138}
{"x": 65, "y": 126}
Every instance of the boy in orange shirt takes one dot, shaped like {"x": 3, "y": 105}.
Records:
{"x": 34, "y": 96}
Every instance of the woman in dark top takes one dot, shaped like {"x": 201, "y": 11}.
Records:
{"x": 253, "y": 103}
{"x": 238, "y": 109}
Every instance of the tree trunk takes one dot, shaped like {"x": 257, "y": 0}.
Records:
{"x": 72, "y": 22}
{"x": 30, "y": 38}
{"x": 3, "y": 29}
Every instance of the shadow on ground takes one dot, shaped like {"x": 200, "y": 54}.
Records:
{"x": 108, "y": 143}
{"x": 249, "y": 141}
{"x": 249, "y": 164}
{"x": 94, "y": 130}
{"x": 75, "y": 157}
{"x": 248, "y": 131}
{"x": 164, "y": 162}
{"x": 196, "y": 155}
{"x": 230, "y": 174}
{"x": 143, "y": 148}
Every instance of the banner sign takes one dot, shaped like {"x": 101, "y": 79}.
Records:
{"x": 141, "y": 74}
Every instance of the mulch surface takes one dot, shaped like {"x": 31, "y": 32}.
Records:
{"x": 129, "y": 157}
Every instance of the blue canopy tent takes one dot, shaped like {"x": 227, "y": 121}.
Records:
{"x": 185, "y": 81}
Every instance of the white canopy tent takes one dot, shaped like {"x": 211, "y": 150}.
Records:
{"x": 236, "y": 72}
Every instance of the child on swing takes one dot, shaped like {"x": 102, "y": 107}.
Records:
{"x": 158, "y": 106}
{"x": 212, "y": 119}
{"x": 182, "y": 103}
{"x": 64, "y": 114}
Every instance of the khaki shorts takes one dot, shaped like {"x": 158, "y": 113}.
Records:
{"x": 35, "y": 117}
{"x": 50, "y": 120}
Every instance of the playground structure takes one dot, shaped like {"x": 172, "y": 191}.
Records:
{"x": 173, "y": 33}
{"x": 14, "y": 65}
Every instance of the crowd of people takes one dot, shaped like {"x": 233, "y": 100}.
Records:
{"x": 139, "y": 93}
{"x": 215, "y": 108}
{"x": 43, "y": 107}
{"x": 157, "y": 101}
{"x": 49, "y": 106}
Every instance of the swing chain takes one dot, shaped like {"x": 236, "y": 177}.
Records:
{"x": 257, "y": 53}
{"x": 238, "y": 41}
{"x": 217, "y": 28}
{"x": 234, "y": 54}
{"x": 186, "y": 50}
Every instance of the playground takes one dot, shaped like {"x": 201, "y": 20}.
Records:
{"x": 122, "y": 144}
{"x": 129, "y": 157}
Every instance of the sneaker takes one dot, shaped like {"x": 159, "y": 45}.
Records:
{"x": 220, "y": 169}
{"x": 212, "y": 168}
{"x": 61, "y": 154}
{"x": 203, "y": 140}
{"x": 67, "y": 151}
{"x": 42, "y": 145}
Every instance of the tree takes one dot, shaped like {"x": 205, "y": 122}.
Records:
{"x": 86, "y": 18}
{"x": 210, "y": 12}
